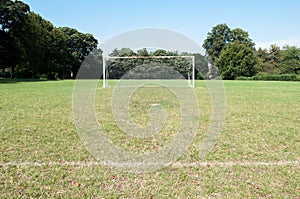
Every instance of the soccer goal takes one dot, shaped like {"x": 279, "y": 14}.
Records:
{"x": 150, "y": 68}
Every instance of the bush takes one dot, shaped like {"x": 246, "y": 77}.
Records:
{"x": 270, "y": 77}
{"x": 244, "y": 78}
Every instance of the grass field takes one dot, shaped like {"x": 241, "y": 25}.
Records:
{"x": 257, "y": 154}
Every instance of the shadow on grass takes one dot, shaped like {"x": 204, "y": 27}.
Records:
{"x": 13, "y": 81}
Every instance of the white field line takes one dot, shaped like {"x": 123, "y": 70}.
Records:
{"x": 176, "y": 165}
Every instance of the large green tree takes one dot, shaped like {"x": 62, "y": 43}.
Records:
{"x": 264, "y": 65}
{"x": 58, "y": 55}
{"x": 220, "y": 36}
{"x": 92, "y": 66}
{"x": 79, "y": 45}
{"x": 237, "y": 59}
{"x": 241, "y": 36}
{"x": 118, "y": 67}
{"x": 38, "y": 44}
{"x": 32, "y": 47}
{"x": 290, "y": 60}
{"x": 274, "y": 55}
{"x": 269, "y": 60}
{"x": 46, "y": 50}
{"x": 12, "y": 17}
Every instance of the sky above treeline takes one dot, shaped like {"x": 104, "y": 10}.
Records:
{"x": 267, "y": 21}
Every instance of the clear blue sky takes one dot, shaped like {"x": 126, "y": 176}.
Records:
{"x": 267, "y": 21}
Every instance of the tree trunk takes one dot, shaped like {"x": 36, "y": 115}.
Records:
{"x": 12, "y": 72}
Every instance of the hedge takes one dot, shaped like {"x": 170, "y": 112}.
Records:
{"x": 271, "y": 77}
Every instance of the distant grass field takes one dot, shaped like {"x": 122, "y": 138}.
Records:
{"x": 257, "y": 154}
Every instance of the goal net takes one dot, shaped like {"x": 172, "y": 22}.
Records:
{"x": 173, "y": 70}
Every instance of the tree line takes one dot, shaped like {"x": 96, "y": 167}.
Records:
{"x": 233, "y": 55}
{"x": 32, "y": 47}
{"x": 157, "y": 67}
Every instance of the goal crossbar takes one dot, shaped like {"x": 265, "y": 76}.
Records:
{"x": 147, "y": 57}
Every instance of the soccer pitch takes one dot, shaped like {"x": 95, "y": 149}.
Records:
{"x": 257, "y": 155}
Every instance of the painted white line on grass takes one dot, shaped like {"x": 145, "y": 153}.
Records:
{"x": 238, "y": 163}
{"x": 174, "y": 165}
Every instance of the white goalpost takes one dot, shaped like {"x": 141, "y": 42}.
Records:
{"x": 190, "y": 75}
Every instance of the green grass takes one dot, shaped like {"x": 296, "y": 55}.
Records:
{"x": 262, "y": 125}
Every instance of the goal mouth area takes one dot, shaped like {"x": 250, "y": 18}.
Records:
{"x": 149, "y": 71}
